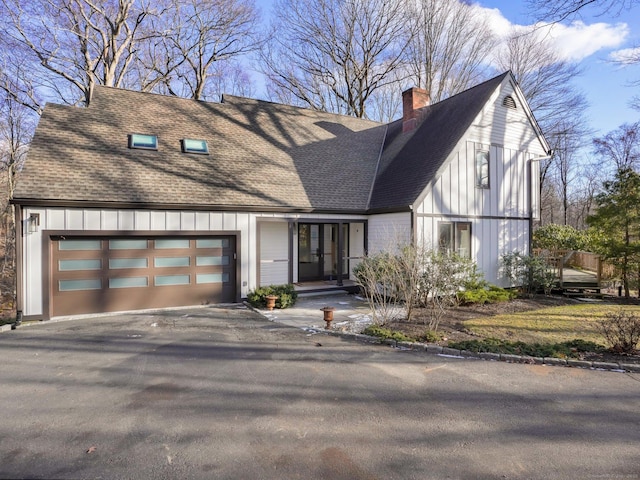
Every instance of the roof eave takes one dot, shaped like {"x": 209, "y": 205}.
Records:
{"x": 57, "y": 203}
{"x": 396, "y": 209}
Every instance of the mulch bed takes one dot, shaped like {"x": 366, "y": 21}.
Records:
{"x": 452, "y": 328}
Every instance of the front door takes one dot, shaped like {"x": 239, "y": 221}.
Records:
{"x": 318, "y": 250}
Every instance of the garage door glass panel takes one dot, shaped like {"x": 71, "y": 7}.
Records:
{"x": 127, "y": 282}
{"x": 172, "y": 243}
{"x": 79, "y": 244}
{"x": 208, "y": 261}
{"x": 212, "y": 278}
{"x": 162, "y": 280}
{"x": 71, "y": 285}
{"x": 171, "y": 261}
{"x": 212, "y": 243}
{"x": 127, "y": 244}
{"x": 72, "y": 265}
{"x": 115, "y": 263}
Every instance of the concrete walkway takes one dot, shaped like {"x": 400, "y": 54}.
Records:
{"x": 306, "y": 313}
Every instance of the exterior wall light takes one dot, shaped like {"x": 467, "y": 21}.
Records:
{"x": 33, "y": 222}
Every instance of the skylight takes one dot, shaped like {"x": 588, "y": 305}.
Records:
{"x": 192, "y": 145}
{"x": 147, "y": 142}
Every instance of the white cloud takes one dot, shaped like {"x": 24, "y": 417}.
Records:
{"x": 626, "y": 56}
{"x": 579, "y": 40}
{"x": 574, "y": 42}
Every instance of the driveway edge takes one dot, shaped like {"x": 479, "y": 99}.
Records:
{"x": 435, "y": 349}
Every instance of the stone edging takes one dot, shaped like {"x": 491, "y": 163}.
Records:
{"x": 434, "y": 349}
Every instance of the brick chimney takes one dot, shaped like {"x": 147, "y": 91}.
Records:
{"x": 413, "y": 100}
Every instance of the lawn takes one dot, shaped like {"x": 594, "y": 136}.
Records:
{"x": 547, "y": 325}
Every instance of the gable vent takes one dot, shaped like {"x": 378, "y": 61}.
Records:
{"x": 509, "y": 102}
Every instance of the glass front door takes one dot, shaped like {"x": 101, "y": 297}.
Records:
{"x": 318, "y": 251}
{"x": 309, "y": 252}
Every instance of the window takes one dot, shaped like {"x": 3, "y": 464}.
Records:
{"x": 147, "y": 142}
{"x": 482, "y": 169}
{"x": 191, "y": 145}
{"x": 455, "y": 237}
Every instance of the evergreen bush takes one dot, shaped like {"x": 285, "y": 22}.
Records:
{"x": 286, "y": 294}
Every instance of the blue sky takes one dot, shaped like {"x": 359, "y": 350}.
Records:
{"x": 590, "y": 41}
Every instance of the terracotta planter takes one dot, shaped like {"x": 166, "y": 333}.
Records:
{"x": 328, "y": 316}
{"x": 271, "y": 301}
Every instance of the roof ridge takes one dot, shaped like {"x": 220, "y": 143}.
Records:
{"x": 475, "y": 87}
{"x": 297, "y": 107}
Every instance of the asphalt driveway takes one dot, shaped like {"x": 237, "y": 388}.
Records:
{"x": 223, "y": 393}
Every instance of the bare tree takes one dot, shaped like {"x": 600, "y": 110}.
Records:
{"x": 589, "y": 183}
{"x": 333, "y": 55}
{"x": 619, "y": 149}
{"x": 16, "y": 124}
{"x": 385, "y": 104}
{"x": 81, "y": 41}
{"x": 559, "y": 10}
{"x": 449, "y": 51}
{"x": 232, "y": 78}
{"x": 197, "y": 35}
{"x": 545, "y": 79}
{"x": 559, "y": 107}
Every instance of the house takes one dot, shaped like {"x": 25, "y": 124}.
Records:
{"x": 144, "y": 201}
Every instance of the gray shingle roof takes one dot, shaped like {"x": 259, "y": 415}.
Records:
{"x": 411, "y": 160}
{"x": 262, "y": 155}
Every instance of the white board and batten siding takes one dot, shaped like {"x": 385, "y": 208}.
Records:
{"x": 356, "y": 246}
{"x": 388, "y": 231}
{"x": 273, "y": 238}
{"x": 499, "y": 215}
{"x": 490, "y": 239}
{"x": 94, "y": 221}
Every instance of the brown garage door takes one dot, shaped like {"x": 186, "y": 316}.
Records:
{"x": 92, "y": 274}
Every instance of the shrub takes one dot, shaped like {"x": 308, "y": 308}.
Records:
{"x": 492, "y": 294}
{"x": 381, "y": 332}
{"x": 528, "y": 272}
{"x": 444, "y": 276}
{"x": 571, "y": 348}
{"x": 413, "y": 277}
{"x": 380, "y": 278}
{"x": 562, "y": 237}
{"x": 287, "y": 296}
{"x": 431, "y": 336}
{"x": 621, "y": 330}
{"x": 478, "y": 291}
